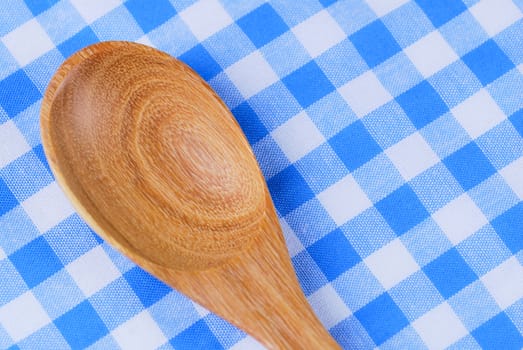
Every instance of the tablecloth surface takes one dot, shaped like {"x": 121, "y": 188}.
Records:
{"x": 391, "y": 137}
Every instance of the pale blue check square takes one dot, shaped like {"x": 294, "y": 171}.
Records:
{"x": 332, "y": 104}
{"x": 447, "y": 267}
{"x": 310, "y": 212}
{"x": 370, "y": 177}
{"x": 512, "y": 81}
{"x": 408, "y": 32}
{"x": 7, "y": 62}
{"x": 358, "y": 11}
{"x": 70, "y": 22}
{"x": 370, "y": 222}
{"x": 474, "y": 253}
{"x": 406, "y": 337}
{"x": 27, "y": 122}
{"x": 455, "y": 83}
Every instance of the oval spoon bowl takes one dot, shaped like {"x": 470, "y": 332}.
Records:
{"x": 156, "y": 164}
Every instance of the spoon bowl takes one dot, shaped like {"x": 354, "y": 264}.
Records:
{"x": 154, "y": 161}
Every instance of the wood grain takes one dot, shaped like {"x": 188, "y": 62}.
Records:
{"x": 154, "y": 161}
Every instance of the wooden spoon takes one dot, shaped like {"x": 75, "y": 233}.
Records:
{"x": 154, "y": 161}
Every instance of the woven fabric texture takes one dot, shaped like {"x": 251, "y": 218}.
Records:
{"x": 390, "y": 134}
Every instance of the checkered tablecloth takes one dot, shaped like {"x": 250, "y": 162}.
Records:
{"x": 390, "y": 133}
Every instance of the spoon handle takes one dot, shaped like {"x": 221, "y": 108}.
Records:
{"x": 269, "y": 305}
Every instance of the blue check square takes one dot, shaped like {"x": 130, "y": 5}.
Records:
{"x": 197, "y": 336}
{"x": 262, "y": 25}
{"x": 488, "y": 62}
{"x": 39, "y": 6}
{"x": 150, "y": 14}
{"x": 375, "y": 43}
{"x": 449, "y": 273}
{"x": 146, "y": 287}
{"x": 441, "y": 11}
{"x": 17, "y": 92}
{"x": 7, "y": 199}
{"x": 289, "y": 190}
{"x": 334, "y": 254}
{"x": 251, "y": 125}
{"x": 498, "y": 332}
{"x": 517, "y": 120}
{"x": 382, "y": 318}
{"x": 422, "y": 104}
{"x": 36, "y": 261}
{"x": 81, "y": 39}
{"x": 469, "y": 166}
{"x": 199, "y": 59}
{"x": 81, "y": 326}
{"x": 509, "y": 227}
{"x": 402, "y": 209}
{"x": 326, "y": 3}
{"x": 308, "y": 84}
{"x": 354, "y": 145}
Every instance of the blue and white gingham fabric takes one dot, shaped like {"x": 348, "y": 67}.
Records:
{"x": 390, "y": 133}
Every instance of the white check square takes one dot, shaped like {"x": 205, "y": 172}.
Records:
{"x": 440, "y": 327}
{"x": 13, "y": 143}
{"x": 93, "y": 271}
{"x": 344, "y": 200}
{"x": 412, "y": 156}
{"x": 505, "y": 282}
{"x": 200, "y": 310}
{"x": 328, "y": 306}
{"x": 247, "y": 343}
{"x": 460, "y": 218}
{"x": 381, "y": 7}
{"x": 478, "y": 113}
{"x": 92, "y": 10}
{"x": 430, "y": 54}
{"x": 495, "y": 15}
{"x": 251, "y": 74}
{"x": 205, "y": 18}
{"x": 391, "y": 264}
{"x": 298, "y": 136}
{"x": 28, "y": 42}
{"x": 23, "y": 316}
{"x": 292, "y": 242}
{"x": 319, "y": 33}
{"x": 365, "y": 94}
{"x": 145, "y": 41}
{"x": 513, "y": 175}
{"x": 140, "y": 332}
{"x": 47, "y": 207}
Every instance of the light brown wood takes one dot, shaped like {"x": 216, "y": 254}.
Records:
{"x": 154, "y": 161}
